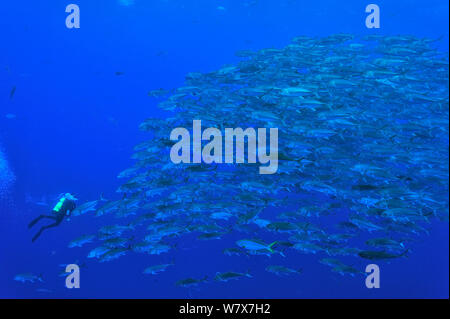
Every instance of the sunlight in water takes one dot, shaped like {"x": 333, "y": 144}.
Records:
{"x": 126, "y": 2}
{"x": 6, "y": 176}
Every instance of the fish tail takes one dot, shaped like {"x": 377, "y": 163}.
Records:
{"x": 271, "y": 245}
{"x": 404, "y": 253}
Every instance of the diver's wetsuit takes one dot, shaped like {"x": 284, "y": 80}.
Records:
{"x": 63, "y": 209}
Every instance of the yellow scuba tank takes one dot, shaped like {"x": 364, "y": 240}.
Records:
{"x": 58, "y": 206}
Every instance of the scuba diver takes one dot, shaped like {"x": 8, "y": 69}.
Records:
{"x": 65, "y": 207}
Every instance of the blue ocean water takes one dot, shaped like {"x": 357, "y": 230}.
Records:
{"x": 75, "y": 123}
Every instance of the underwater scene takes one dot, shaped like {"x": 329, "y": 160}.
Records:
{"x": 206, "y": 149}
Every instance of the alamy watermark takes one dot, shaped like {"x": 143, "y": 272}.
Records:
{"x": 212, "y": 152}
{"x": 73, "y": 278}
{"x": 373, "y": 19}
{"x": 373, "y": 276}
{"x": 73, "y": 19}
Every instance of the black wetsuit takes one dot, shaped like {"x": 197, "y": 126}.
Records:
{"x": 58, "y": 216}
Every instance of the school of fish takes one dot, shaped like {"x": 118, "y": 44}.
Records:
{"x": 363, "y": 139}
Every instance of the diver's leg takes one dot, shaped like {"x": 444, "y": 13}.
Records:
{"x": 58, "y": 221}
{"x": 33, "y": 222}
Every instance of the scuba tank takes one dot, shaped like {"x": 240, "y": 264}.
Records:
{"x": 60, "y": 204}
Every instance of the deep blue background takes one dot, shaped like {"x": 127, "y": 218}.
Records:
{"x": 77, "y": 123}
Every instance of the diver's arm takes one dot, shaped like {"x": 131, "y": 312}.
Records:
{"x": 71, "y": 209}
{"x": 68, "y": 212}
